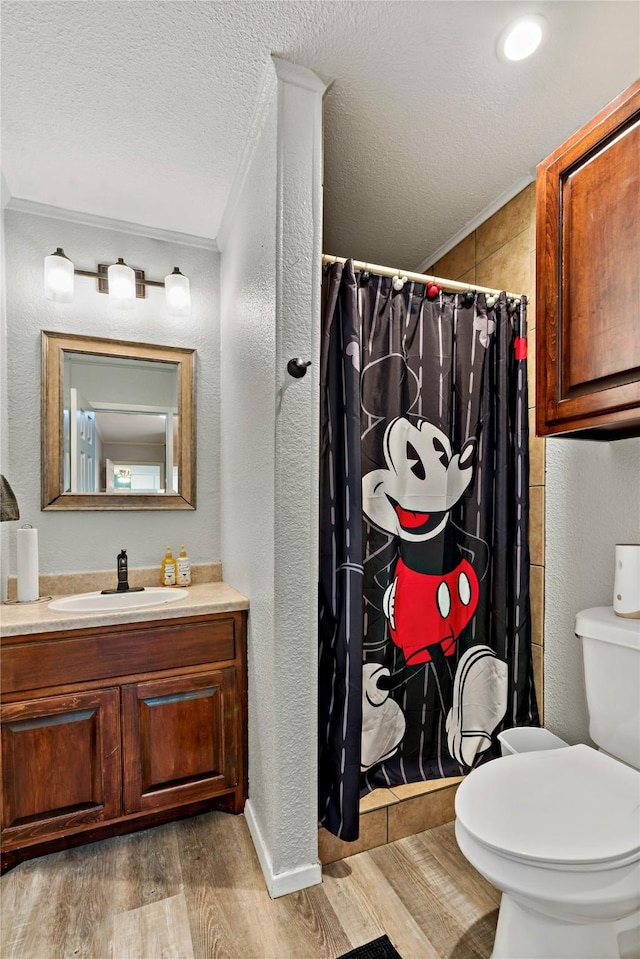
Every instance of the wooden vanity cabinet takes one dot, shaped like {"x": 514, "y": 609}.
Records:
{"x": 60, "y": 764}
{"x": 588, "y": 278}
{"x": 108, "y": 730}
{"x": 180, "y": 739}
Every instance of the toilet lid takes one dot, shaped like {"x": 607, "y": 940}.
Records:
{"x": 572, "y": 805}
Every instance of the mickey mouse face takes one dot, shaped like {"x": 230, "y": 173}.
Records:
{"x": 423, "y": 480}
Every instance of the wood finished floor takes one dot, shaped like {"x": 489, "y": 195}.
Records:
{"x": 194, "y": 890}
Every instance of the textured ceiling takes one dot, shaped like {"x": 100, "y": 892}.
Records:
{"x": 139, "y": 110}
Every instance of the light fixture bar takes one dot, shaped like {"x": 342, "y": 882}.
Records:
{"x": 103, "y": 282}
{"x": 59, "y": 268}
{"x": 103, "y": 285}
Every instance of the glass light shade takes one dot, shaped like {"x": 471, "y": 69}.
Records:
{"x": 122, "y": 285}
{"x": 58, "y": 277}
{"x": 523, "y": 37}
{"x": 177, "y": 292}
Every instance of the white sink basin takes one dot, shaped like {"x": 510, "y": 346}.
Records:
{"x": 105, "y": 602}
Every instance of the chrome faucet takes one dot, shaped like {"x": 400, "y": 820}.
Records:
{"x": 123, "y": 577}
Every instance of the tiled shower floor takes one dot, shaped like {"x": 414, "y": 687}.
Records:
{"x": 390, "y": 814}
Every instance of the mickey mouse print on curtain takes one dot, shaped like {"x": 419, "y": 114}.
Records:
{"x": 424, "y": 602}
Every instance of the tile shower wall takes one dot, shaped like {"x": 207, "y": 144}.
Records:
{"x": 501, "y": 253}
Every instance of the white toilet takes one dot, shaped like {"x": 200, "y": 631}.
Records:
{"x": 557, "y": 830}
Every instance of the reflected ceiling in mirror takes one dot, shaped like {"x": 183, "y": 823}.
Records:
{"x": 118, "y": 424}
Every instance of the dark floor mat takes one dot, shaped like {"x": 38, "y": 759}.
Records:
{"x": 378, "y": 949}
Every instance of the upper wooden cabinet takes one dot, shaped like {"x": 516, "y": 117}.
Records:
{"x": 588, "y": 278}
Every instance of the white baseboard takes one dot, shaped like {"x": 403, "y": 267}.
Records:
{"x": 279, "y": 884}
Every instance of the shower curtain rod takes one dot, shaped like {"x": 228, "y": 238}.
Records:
{"x": 452, "y": 286}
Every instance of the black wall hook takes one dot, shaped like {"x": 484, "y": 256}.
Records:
{"x": 297, "y": 368}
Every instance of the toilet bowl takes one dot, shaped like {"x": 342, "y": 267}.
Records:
{"x": 558, "y": 832}
{"x": 556, "y": 827}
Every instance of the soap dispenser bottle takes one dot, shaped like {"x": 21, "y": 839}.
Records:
{"x": 168, "y": 569}
{"x": 184, "y": 568}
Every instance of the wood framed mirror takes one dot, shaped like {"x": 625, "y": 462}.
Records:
{"x": 118, "y": 424}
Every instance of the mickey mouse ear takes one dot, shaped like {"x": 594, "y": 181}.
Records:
{"x": 467, "y": 454}
{"x": 376, "y": 398}
{"x": 513, "y": 304}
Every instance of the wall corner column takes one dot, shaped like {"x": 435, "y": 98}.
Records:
{"x": 298, "y": 284}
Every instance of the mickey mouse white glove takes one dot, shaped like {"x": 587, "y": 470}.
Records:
{"x": 383, "y": 722}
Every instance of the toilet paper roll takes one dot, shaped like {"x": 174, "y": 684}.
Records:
{"x": 626, "y": 584}
{"x": 27, "y": 564}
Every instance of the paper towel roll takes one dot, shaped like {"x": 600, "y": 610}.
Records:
{"x": 626, "y": 583}
{"x": 27, "y": 564}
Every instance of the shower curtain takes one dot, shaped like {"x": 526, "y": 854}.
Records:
{"x": 424, "y": 619}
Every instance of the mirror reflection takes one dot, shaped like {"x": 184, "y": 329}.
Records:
{"x": 121, "y": 425}
{"x": 118, "y": 425}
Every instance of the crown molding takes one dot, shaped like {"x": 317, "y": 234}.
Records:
{"x": 106, "y": 223}
{"x": 476, "y": 222}
{"x": 299, "y": 76}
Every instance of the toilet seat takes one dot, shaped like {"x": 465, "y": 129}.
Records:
{"x": 557, "y": 808}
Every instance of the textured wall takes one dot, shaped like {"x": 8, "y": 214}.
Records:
{"x": 248, "y": 343}
{"x": 6, "y": 527}
{"x": 270, "y": 245}
{"x": 298, "y": 281}
{"x": 593, "y": 502}
{"x": 77, "y": 541}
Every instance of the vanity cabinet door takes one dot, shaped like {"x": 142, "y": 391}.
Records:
{"x": 61, "y": 764}
{"x": 181, "y": 739}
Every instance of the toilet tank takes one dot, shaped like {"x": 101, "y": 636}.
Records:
{"x": 611, "y": 650}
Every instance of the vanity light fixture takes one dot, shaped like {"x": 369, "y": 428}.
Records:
{"x": 58, "y": 277}
{"x": 177, "y": 292}
{"x": 522, "y": 37}
{"x": 121, "y": 282}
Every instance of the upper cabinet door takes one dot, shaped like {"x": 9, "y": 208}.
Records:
{"x": 588, "y": 278}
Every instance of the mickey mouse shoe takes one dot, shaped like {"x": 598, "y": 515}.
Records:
{"x": 479, "y": 703}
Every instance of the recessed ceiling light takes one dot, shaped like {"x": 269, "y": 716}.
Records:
{"x": 523, "y": 37}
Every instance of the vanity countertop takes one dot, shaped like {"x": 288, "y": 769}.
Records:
{"x": 25, "y": 618}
